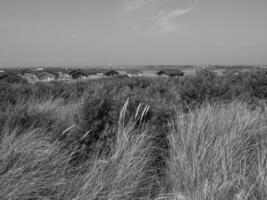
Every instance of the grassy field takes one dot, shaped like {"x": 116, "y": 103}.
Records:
{"x": 196, "y": 138}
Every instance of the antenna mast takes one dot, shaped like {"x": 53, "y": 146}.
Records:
{"x": 109, "y": 62}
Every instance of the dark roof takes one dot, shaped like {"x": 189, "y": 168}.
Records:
{"x": 75, "y": 70}
{"x": 112, "y": 73}
{"x": 43, "y": 74}
{"x": 171, "y": 72}
{"x": 53, "y": 72}
{"x": 72, "y": 71}
{"x": 27, "y": 71}
{"x": 78, "y": 74}
{"x": 161, "y": 73}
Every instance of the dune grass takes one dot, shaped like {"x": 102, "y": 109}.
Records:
{"x": 215, "y": 152}
{"x": 219, "y": 152}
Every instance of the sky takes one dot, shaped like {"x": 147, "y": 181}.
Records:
{"x": 132, "y": 32}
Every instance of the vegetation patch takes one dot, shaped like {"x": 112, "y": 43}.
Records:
{"x": 193, "y": 138}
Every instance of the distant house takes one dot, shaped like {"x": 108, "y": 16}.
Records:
{"x": 175, "y": 73}
{"x": 2, "y": 71}
{"x": 170, "y": 73}
{"x": 162, "y": 74}
{"x": 149, "y": 73}
{"x": 62, "y": 75}
{"x": 45, "y": 76}
{"x": 74, "y": 70}
{"x": 27, "y": 71}
{"x": 231, "y": 72}
{"x": 78, "y": 74}
{"x": 111, "y": 73}
{"x": 135, "y": 74}
{"x": 29, "y": 75}
{"x": 100, "y": 73}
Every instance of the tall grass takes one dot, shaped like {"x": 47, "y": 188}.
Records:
{"x": 33, "y": 168}
{"x": 219, "y": 152}
{"x": 215, "y": 152}
{"x": 129, "y": 172}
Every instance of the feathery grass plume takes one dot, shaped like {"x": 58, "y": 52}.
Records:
{"x": 126, "y": 173}
{"x": 218, "y": 152}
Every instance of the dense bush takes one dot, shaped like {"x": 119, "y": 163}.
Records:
{"x": 11, "y": 78}
{"x": 7, "y": 95}
{"x": 258, "y": 84}
{"x": 208, "y": 87}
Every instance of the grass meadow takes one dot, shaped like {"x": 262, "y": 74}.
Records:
{"x": 201, "y": 137}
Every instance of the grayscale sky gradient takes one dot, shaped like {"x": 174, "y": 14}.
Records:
{"x": 132, "y": 32}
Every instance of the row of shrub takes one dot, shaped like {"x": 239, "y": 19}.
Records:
{"x": 190, "y": 90}
{"x": 99, "y": 103}
{"x": 207, "y": 86}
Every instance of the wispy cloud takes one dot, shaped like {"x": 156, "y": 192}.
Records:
{"x": 165, "y": 19}
{"x": 133, "y": 5}
{"x": 150, "y": 17}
